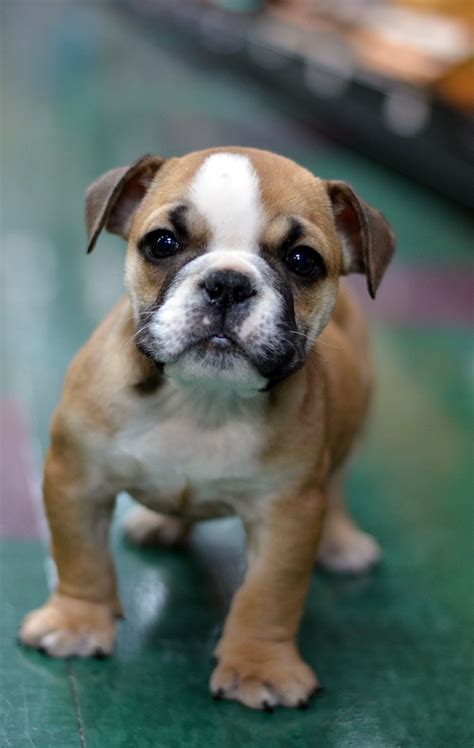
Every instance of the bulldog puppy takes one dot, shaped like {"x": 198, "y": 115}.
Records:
{"x": 234, "y": 378}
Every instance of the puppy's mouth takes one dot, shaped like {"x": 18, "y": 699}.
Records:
{"x": 215, "y": 349}
{"x": 220, "y": 340}
{"x": 221, "y": 343}
{"x": 217, "y": 359}
{"x": 221, "y": 346}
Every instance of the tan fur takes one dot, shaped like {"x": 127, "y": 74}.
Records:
{"x": 304, "y": 429}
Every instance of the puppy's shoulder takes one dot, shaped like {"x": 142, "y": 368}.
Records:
{"x": 102, "y": 372}
{"x": 348, "y": 331}
{"x": 343, "y": 373}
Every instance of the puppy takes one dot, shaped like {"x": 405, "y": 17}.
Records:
{"x": 234, "y": 378}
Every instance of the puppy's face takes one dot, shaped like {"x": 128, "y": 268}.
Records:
{"x": 232, "y": 268}
{"x": 233, "y": 265}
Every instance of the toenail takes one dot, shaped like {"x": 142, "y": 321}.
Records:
{"x": 99, "y": 654}
{"x": 267, "y": 707}
{"x": 302, "y": 704}
{"x": 217, "y": 695}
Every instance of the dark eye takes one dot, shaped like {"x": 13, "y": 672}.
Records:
{"x": 159, "y": 243}
{"x": 305, "y": 261}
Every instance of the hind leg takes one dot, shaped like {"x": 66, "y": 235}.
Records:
{"x": 344, "y": 547}
{"x": 147, "y": 528}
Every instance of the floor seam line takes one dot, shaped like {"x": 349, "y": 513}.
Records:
{"x": 77, "y": 709}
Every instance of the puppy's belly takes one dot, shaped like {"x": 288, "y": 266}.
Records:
{"x": 199, "y": 502}
{"x": 188, "y": 494}
{"x": 182, "y": 468}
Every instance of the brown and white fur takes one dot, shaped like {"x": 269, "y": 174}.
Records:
{"x": 224, "y": 383}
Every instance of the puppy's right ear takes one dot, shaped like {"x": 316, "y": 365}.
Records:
{"x": 112, "y": 199}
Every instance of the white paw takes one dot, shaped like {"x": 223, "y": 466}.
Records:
{"x": 263, "y": 676}
{"x": 65, "y": 627}
{"x": 348, "y": 550}
{"x": 147, "y": 528}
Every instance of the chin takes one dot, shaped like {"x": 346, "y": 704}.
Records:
{"x": 210, "y": 367}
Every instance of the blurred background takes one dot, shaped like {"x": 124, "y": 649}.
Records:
{"x": 380, "y": 94}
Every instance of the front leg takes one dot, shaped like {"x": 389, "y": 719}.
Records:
{"x": 258, "y": 659}
{"x": 78, "y": 619}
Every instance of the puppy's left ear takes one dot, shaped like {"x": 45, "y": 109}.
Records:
{"x": 368, "y": 243}
{"x": 114, "y": 197}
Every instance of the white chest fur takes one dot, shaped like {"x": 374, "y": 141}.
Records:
{"x": 207, "y": 445}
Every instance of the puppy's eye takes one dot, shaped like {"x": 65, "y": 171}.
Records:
{"x": 306, "y": 262}
{"x": 158, "y": 244}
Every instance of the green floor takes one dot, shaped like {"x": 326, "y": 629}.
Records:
{"x": 392, "y": 649}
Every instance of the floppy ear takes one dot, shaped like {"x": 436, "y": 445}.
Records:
{"x": 368, "y": 243}
{"x": 112, "y": 199}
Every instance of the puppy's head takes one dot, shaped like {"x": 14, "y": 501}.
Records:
{"x": 234, "y": 258}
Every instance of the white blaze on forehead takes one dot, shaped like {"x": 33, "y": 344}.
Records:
{"x": 226, "y": 192}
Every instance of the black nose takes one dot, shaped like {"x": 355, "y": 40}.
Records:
{"x": 226, "y": 287}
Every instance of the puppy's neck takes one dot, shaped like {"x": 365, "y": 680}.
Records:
{"x": 215, "y": 405}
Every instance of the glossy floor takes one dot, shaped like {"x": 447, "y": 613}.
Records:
{"x": 85, "y": 91}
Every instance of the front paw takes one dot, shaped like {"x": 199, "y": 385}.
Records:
{"x": 67, "y": 626}
{"x": 262, "y": 675}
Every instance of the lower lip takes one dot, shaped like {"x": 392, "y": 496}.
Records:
{"x": 221, "y": 342}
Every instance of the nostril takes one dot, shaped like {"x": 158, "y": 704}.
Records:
{"x": 214, "y": 290}
{"x": 241, "y": 293}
